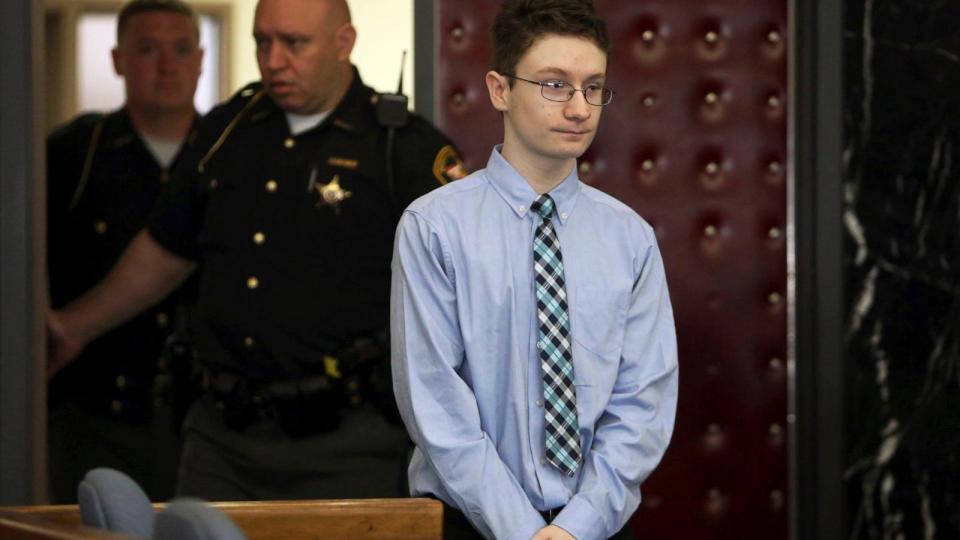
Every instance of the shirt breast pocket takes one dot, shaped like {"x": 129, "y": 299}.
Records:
{"x": 224, "y": 204}
{"x": 598, "y": 319}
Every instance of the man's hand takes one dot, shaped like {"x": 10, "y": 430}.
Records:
{"x": 61, "y": 347}
{"x": 552, "y": 532}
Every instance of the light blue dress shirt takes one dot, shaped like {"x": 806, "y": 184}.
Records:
{"x": 465, "y": 367}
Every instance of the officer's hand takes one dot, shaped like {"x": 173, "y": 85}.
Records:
{"x": 61, "y": 348}
{"x": 552, "y": 532}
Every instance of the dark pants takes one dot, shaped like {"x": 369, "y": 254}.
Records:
{"x": 79, "y": 439}
{"x": 456, "y": 526}
{"x": 366, "y": 457}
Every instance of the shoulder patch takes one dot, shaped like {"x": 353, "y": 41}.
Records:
{"x": 448, "y": 166}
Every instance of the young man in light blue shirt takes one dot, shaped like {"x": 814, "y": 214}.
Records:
{"x": 534, "y": 351}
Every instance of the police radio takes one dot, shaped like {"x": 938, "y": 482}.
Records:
{"x": 392, "y": 108}
{"x": 392, "y": 113}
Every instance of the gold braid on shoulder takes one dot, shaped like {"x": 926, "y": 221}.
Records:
{"x": 226, "y": 132}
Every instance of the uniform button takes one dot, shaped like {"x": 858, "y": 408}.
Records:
{"x": 163, "y": 320}
{"x": 100, "y": 226}
{"x": 259, "y": 238}
{"x": 252, "y": 282}
{"x": 116, "y": 406}
{"x": 164, "y": 177}
{"x": 249, "y": 342}
{"x": 214, "y": 183}
{"x": 121, "y": 382}
{"x": 289, "y": 142}
{"x": 271, "y": 186}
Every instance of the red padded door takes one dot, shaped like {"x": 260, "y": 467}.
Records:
{"x": 695, "y": 141}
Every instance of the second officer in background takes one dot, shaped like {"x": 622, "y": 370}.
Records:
{"x": 287, "y": 204}
{"x": 104, "y": 174}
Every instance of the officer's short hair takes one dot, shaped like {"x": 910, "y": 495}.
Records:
{"x": 135, "y": 7}
{"x": 520, "y": 22}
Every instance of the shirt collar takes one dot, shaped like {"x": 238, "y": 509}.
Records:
{"x": 352, "y": 114}
{"x": 518, "y": 194}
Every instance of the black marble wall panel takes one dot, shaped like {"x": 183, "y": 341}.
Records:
{"x": 902, "y": 263}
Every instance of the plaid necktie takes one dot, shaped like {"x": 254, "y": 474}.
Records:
{"x": 553, "y": 342}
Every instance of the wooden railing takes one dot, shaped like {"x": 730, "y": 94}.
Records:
{"x": 361, "y": 519}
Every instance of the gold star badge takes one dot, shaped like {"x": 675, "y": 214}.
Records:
{"x": 331, "y": 194}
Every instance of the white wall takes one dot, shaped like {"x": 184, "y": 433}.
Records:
{"x": 384, "y": 29}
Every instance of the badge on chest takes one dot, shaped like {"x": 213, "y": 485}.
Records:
{"x": 331, "y": 194}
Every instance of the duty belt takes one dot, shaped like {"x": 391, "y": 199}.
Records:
{"x": 305, "y": 405}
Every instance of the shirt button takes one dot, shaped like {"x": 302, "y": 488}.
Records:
{"x": 259, "y": 238}
{"x": 522, "y": 208}
{"x": 252, "y": 283}
{"x": 539, "y": 345}
{"x": 100, "y": 226}
{"x": 289, "y": 142}
{"x": 248, "y": 342}
{"x": 543, "y": 460}
{"x": 563, "y": 216}
{"x": 539, "y": 403}
{"x": 271, "y": 186}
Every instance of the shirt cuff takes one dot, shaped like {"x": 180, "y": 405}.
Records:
{"x": 581, "y": 520}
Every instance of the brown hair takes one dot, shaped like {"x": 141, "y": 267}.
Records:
{"x": 135, "y": 7}
{"x": 520, "y": 22}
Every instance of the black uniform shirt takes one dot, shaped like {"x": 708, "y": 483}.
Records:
{"x": 294, "y": 233}
{"x": 102, "y": 183}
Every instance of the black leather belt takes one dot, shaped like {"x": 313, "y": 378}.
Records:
{"x": 549, "y": 515}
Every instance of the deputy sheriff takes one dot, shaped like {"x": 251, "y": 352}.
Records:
{"x": 105, "y": 172}
{"x": 287, "y": 203}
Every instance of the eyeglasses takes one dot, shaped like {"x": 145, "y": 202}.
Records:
{"x": 561, "y": 91}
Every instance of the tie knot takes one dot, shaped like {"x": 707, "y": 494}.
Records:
{"x": 543, "y": 206}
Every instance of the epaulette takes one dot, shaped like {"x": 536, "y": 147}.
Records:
{"x": 83, "y": 121}
{"x": 244, "y": 99}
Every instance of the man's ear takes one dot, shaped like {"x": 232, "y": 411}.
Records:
{"x": 115, "y": 54}
{"x": 345, "y": 37}
{"x": 499, "y": 88}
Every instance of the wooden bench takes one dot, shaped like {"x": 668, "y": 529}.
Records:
{"x": 361, "y": 519}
